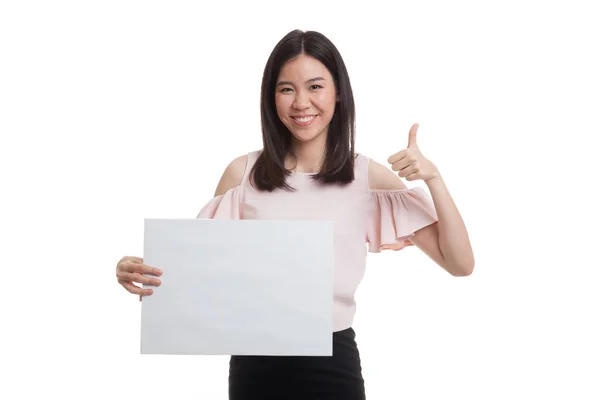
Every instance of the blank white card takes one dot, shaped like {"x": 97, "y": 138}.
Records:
{"x": 239, "y": 287}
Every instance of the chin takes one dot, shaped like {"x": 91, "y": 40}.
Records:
{"x": 307, "y": 135}
{"x": 305, "y": 138}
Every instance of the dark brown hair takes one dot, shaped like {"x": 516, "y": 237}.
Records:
{"x": 269, "y": 171}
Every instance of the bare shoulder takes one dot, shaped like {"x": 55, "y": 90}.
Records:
{"x": 233, "y": 175}
{"x": 383, "y": 178}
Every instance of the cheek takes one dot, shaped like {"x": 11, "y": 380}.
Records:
{"x": 279, "y": 107}
{"x": 327, "y": 102}
{"x": 282, "y": 106}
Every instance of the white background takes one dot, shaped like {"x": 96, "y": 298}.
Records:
{"x": 116, "y": 111}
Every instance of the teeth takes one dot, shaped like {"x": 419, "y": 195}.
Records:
{"x": 305, "y": 119}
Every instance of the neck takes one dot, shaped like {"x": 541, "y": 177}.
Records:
{"x": 308, "y": 156}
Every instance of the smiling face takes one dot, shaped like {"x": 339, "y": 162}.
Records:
{"x": 305, "y": 98}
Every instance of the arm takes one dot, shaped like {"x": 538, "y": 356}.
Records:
{"x": 445, "y": 242}
{"x": 453, "y": 238}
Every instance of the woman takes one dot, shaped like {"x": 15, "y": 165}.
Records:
{"x": 308, "y": 169}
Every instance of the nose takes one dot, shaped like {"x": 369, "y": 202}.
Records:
{"x": 302, "y": 101}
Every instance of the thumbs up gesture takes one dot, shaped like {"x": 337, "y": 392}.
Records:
{"x": 410, "y": 163}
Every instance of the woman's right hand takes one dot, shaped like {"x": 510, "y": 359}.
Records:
{"x": 131, "y": 269}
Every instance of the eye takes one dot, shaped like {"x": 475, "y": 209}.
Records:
{"x": 285, "y": 90}
{"x": 316, "y": 87}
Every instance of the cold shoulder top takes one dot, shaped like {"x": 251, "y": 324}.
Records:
{"x": 363, "y": 220}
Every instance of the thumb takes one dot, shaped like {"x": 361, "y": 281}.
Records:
{"x": 412, "y": 136}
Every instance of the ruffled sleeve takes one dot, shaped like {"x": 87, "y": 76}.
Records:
{"x": 396, "y": 215}
{"x": 225, "y": 206}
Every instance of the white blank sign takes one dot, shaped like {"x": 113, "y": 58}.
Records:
{"x": 239, "y": 287}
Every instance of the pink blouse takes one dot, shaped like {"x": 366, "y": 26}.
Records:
{"x": 362, "y": 218}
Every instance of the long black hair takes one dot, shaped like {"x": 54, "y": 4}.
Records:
{"x": 269, "y": 171}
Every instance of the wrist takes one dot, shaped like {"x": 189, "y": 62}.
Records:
{"x": 435, "y": 178}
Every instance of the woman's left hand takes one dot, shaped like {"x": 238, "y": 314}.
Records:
{"x": 410, "y": 163}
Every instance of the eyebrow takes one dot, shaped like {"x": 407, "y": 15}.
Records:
{"x": 318, "y": 78}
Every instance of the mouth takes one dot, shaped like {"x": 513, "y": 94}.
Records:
{"x": 304, "y": 120}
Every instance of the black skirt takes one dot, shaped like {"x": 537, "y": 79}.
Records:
{"x": 300, "y": 377}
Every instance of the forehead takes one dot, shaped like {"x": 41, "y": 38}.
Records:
{"x": 303, "y": 67}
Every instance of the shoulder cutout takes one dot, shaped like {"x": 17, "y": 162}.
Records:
{"x": 383, "y": 178}
{"x": 233, "y": 175}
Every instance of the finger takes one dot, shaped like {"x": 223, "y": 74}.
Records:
{"x": 410, "y": 169}
{"x": 139, "y": 278}
{"x": 412, "y": 177}
{"x": 397, "y": 156}
{"x": 400, "y": 165}
{"x": 143, "y": 268}
{"x": 412, "y": 173}
{"x": 131, "y": 288}
{"x": 132, "y": 259}
{"x": 412, "y": 136}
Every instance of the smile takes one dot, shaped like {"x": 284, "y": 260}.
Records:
{"x": 304, "y": 120}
